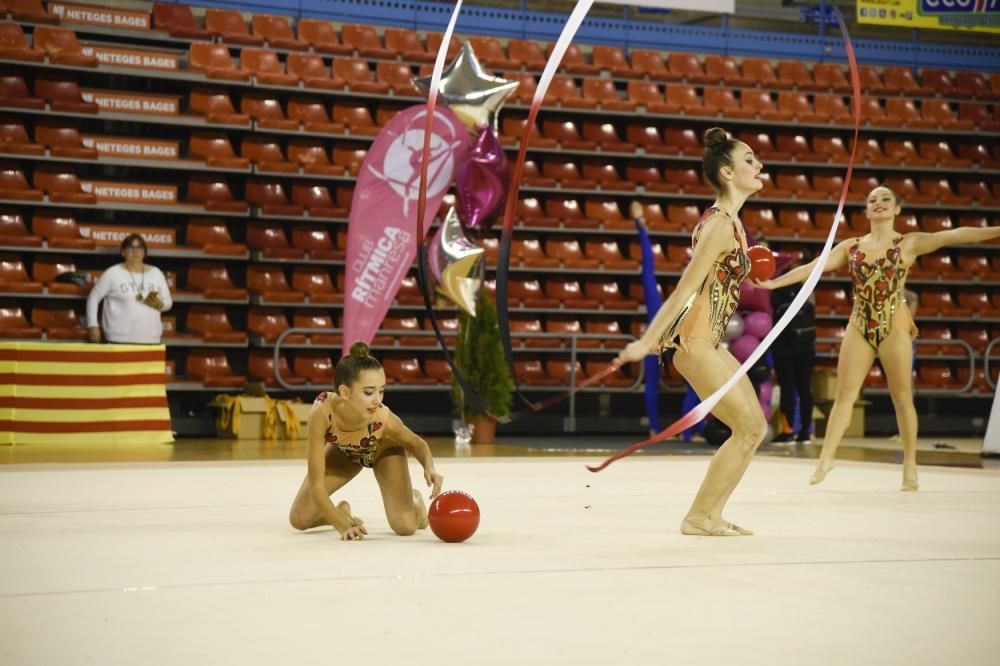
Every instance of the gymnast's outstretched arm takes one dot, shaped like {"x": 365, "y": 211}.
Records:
{"x": 837, "y": 258}
{"x": 918, "y": 243}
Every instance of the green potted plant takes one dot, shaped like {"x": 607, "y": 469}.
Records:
{"x": 479, "y": 357}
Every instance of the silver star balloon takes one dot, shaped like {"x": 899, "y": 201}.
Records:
{"x": 474, "y": 95}
{"x": 457, "y": 263}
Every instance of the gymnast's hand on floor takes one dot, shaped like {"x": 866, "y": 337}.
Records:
{"x": 434, "y": 480}
{"x": 354, "y": 533}
{"x": 634, "y": 351}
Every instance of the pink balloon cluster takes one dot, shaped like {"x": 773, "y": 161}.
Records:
{"x": 481, "y": 183}
{"x": 747, "y": 327}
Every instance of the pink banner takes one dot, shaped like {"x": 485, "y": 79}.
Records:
{"x": 380, "y": 235}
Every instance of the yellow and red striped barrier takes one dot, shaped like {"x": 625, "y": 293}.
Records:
{"x": 54, "y": 393}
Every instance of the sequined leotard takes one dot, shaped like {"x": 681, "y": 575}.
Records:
{"x": 360, "y": 446}
{"x": 878, "y": 291}
{"x": 728, "y": 273}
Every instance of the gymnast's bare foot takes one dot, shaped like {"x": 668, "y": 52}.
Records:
{"x": 706, "y": 527}
{"x": 421, "y": 508}
{"x": 822, "y": 469}
{"x": 910, "y": 483}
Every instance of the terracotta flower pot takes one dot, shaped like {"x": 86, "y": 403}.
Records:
{"x": 485, "y": 431}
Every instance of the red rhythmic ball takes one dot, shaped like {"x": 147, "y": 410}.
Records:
{"x": 453, "y": 516}
{"x": 761, "y": 262}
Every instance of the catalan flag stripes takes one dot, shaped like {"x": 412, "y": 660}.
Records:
{"x": 52, "y": 393}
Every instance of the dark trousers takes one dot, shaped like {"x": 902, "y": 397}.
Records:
{"x": 793, "y": 363}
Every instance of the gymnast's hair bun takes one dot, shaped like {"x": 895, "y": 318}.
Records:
{"x": 360, "y": 350}
{"x": 715, "y": 138}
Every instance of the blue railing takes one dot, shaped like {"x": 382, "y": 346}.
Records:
{"x": 628, "y": 32}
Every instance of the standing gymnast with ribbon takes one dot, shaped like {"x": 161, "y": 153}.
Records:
{"x": 693, "y": 321}
{"x": 881, "y": 323}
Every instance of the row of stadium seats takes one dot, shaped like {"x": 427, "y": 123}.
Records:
{"x": 320, "y": 36}
{"x": 61, "y": 184}
{"x": 312, "y": 242}
{"x": 935, "y": 375}
{"x": 212, "y": 325}
{"x": 354, "y": 75}
{"x": 62, "y": 139}
{"x": 211, "y": 368}
{"x": 315, "y": 283}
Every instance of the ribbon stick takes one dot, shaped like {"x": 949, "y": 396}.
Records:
{"x": 503, "y": 316}
{"x": 702, "y": 410}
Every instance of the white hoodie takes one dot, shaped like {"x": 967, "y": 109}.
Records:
{"x": 124, "y": 319}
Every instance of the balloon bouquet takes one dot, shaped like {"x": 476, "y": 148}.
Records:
{"x": 481, "y": 180}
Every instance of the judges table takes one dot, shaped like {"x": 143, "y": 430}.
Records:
{"x": 72, "y": 393}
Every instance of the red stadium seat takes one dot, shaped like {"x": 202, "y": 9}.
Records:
{"x": 358, "y": 76}
{"x": 13, "y": 45}
{"x": 216, "y": 107}
{"x": 573, "y": 60}
{"x": 211, "y": 324}
{"x": 211, "y": 236}
{"x": 761, "y": 71}
{"x": 230, "y": 27}
{"x": 725, "y": 68}
{"x": 564, "y": 92}
{"x": 612, "y": 59}
{"x": 364, "y": 40}
{"x": 213, "y": 281}
{"x": 211, "y": 368}
{"x": 491, "y": 52}
{"x": 60, "y": 230}
{"x": 214, "y": 148}
{"x": 13, "y": 323}
{"x": 899, "y": 80}
{"x": 13, "y": 231}
{"x": 270, "y": 197}
{"x": 688, "y": 67}
{"x": 61, "y": 95}
{"x": 271, "y": 285}
{"x": 260, "y": 365}
{"x": 406, "y": 43}
{"x": 603, "y": 91}
{"x": 277, "y": 31}
{"x": 269, "y": 239}
{"x": 62, "y": 47}
{"x": 321, "y": 36}
{"x": 14, "y": 276}
{"x": 830, "y": 76}
{"x": 313, "y": 116}
{"x": 178, "y": 21}
{"x": 215, "y": 62}
{"x": 264, "y": 66}
{"x": 14, "y": 92}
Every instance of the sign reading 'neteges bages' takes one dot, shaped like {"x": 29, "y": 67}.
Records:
{"x": 123, "y": 102}
{"x": 131, "y": 148}
{"x": 103, "y": 16}
{"x": 107, "y": 235}
{"x": 123, "y": 192}
{"x": 138, "y": 58}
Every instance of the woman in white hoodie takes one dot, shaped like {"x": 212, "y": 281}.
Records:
{"x": 134, "y": 295}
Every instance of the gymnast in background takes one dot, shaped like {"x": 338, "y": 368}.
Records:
{"x": 881, "y": 324}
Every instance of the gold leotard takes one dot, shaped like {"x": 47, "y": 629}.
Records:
{"x": 360, "y": 446}
{"x": 878, "y": 291}
{"x": 728, "y": 273}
